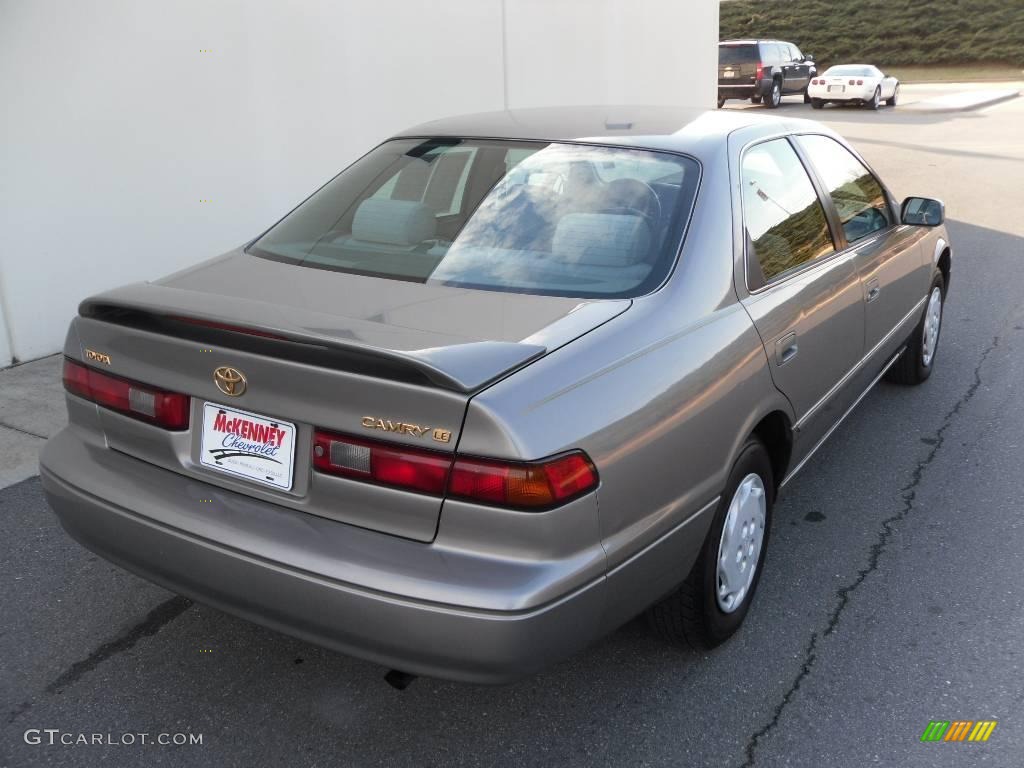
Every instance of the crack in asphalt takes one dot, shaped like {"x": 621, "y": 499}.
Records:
{"x": 888, "y": 528}
{"x": 155, "y": 620}
{"x": 5, "y": 425}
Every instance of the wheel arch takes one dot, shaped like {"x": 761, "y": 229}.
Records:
{"x": 775, "y": 430}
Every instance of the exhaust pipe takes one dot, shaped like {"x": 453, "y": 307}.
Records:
{"x": 399, "y": 680}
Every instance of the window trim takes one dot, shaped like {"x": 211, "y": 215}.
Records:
{"x": 783, "y": 277}
{"x": 843, "y": 247}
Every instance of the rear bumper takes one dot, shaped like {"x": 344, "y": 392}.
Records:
{"x": 743, "y": 91}
{"x": 132, "y": 524}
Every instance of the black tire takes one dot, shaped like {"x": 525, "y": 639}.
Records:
{"x": 690, "y": 616}
{"x": 721, "y": 103}
{"x": 755, "y": 99}
{"x": 876, "y": 100}
{"x": 817, "y": 103}
{"x": 774, "y": 96}
{"x": 911, "y": 368}
{"x": 807, "y": 97}
{"x": 895, "y": 96}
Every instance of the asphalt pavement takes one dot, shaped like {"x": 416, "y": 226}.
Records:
{"x": 893, "y": 590}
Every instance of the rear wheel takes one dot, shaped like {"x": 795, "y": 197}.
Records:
{"x": 807, "y": 97}
{"x": 817, "y": 103}
{"x": 895, "y": 96}
{"x": 876, "y": 99}
{"x": 721, "y": 103}
{"x": 711, "y": 604}
{"x": 916, "y": 363}
{"x": 774, "y": 97}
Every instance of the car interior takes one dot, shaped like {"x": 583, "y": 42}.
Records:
{"x": 540, "y": 218}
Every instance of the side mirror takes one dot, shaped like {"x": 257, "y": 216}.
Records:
{"x": 808, "y": 58}
{"x": 922, "y": 212}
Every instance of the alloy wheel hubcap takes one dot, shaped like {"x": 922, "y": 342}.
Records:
{"x": 739, "y": 549}
{"x": 932, "y": 321}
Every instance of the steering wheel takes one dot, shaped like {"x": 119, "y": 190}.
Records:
{"x": 634, "y": 198}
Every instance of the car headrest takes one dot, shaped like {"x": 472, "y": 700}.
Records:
{"x": 395, "y": 222}
{"x": 603, "y": 239}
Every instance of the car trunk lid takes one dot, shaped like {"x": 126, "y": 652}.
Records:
{"x": 375, "y": 358}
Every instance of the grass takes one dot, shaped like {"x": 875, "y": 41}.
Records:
{"x": 892, "y": 34}
{"x": 965, "y": 73}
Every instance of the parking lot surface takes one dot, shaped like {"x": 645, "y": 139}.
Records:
{"x": 893, "y": 592}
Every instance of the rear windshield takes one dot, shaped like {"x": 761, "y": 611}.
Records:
{"x": 849, "y": 70}
{"x": 528, "y": 217}
{"x": 738, "y": 54}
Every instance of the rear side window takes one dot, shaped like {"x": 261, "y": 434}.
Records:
{"x": 737, "y": 54}
{"x": 784, "y": 221}
{"x": 861, "y": 202}
{"x": 527, "y": 217}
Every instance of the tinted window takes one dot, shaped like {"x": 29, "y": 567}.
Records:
{"x": 785, "y": 223}
{"x": 737, "y": 54}
{"x": 795, "y": 53}
{"x": 531, "y": 217}
{"x": 858, "y": 197}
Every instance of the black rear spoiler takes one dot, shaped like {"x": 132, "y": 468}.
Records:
{"x": 462, "y": 367}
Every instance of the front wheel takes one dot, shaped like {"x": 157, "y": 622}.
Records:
{"x": 807, "y": 97}
{"x": 709, "y": 607}
{"x": 774, "y": 97}
{"x": 916, "y": 363}
{"x": 721, "y": 103}
{"x": 817, "y": 103}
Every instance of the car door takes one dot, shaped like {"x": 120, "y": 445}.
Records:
{"x": 804, "y": 295}
{"x": 786, "y": 64}
{"x": 893, "y": 271}
{"x": 800, "y": 70}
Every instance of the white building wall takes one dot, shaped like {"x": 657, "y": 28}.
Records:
{"x": 140, "y": 136}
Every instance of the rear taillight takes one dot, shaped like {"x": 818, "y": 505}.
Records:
{"x": 759, "y": 72}
{"x": 384, "y": 463}
{"x": 140, "y": 401}
{"x": 520, "y": 485}
{"x": 860, "y": 82}
{"x": 853, "y": 82}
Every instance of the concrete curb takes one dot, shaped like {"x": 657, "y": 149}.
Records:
{"x": 962, "y": 102}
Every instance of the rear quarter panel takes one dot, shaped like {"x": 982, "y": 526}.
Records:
{"x": 661, "y": 398}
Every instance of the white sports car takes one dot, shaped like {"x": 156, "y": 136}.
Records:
{"x": 858, "y": 83}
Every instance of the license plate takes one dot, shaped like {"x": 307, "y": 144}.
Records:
{"x": 728, "y": 73}
{"x": 836, "y": 88}
{"x": 258, "y": 448}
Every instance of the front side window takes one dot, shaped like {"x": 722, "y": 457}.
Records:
{"x": 858, "y": 197}
{"x": 784, "y": 220}
{"x": 530, "y": 217}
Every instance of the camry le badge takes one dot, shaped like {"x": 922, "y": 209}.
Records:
{"x": 230, "y": 381}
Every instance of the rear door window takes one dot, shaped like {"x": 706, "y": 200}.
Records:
{"x": 783, "y": 218}
{"x": 858, "y": 196}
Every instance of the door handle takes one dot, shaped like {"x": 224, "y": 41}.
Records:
{"x": 873, "y": 289}
{"x": 786, "y": 348}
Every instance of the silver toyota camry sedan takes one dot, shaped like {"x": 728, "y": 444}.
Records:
{"x": 501, "y": 385}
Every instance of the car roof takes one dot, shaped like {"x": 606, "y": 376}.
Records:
{"x": 754, "y": 41}
{"x": 680, "y": 129}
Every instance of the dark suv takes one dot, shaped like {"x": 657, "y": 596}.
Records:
{"x": 762, "y": 70}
